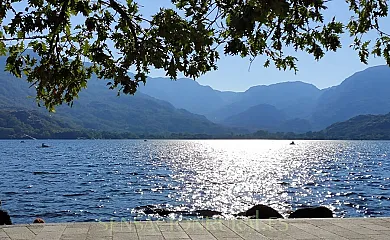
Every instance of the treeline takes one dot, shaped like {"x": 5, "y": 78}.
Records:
{"x": 24, "y": 124}
{"x": 9, "y": 133}
{"x": 85, "y": 134}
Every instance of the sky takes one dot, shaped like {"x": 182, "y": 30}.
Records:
{"x": 233, "y": 73}
{"x": 236, "y": 74}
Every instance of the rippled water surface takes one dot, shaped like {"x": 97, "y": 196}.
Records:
{"x": 92, "y": 180}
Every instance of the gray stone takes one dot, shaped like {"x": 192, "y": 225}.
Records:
{"x": 315, "y": 212}
{"x": 261, "y": 211}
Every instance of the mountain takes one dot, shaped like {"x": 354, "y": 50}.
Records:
{"x": 100, "y": 109}
{"x": 165, "y": 106}
{"x": 21, "y": 123}
{"x": 304, "y": 106}
{"x": 361, "y": 127}
{"x": 267, "y": 117}
{"x": 307, "y": 108}
{"x": 262, "y": 116}
{"x": 15, "y": 92}
{"x": 295, "y": 99}
{"x": 365, "y": 92}
{"x": 296, "y": 125}
{"x": 187, "y": 94}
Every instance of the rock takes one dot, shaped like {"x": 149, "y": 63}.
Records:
{"x": 161, "y": 212}
{"x": 316, "y": 212}
{"x": 5, "y": 219}
{"x": 207, "y": 213}
{"x": 261, "y": 212}
{"x": 39, "y": 220}
{"x": 166, "y": 212}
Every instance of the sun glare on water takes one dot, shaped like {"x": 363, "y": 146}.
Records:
{"x": 89, "y": 180}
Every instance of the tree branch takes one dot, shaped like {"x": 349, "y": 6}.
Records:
{"x": 60, "y": 19}
{"x": 381, "y": 32}
{"x": 125, "y": 16}
{"x": 23, "y": 38}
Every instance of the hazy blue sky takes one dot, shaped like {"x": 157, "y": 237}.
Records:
{"x": 233, "y": 73}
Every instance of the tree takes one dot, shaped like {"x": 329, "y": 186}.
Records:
{"x": 115, "y": 38}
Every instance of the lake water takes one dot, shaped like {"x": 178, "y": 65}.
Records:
{"x": 92, "y": 180}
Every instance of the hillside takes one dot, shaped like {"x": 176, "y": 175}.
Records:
{"x": 22, "y": 123}
{"x": 184, "y": 106}
{"x": 262, "y": 116}
{"x": 361, "y": 127}
{"x": 304, "y": 106}
{"x": 15, "y": 92}
{"x": 365, "y": 92}
{"x": 99, "y": 108}
{"x": 295, "y": 99}
{"x": 188, "y": 94}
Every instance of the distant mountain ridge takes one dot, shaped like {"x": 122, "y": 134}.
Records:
{"x": 365, "y": 92}
{"x": 304, "y": 106}
{"x": 361, "y": 127}
{"x": 100, "y": 109}
{"x": 218, "y": 105}
{"x": 185, "y": 106}
{"x": 295, "y": 99}
{"x": 262, "y": 116}
{"x": 188, "y": 94}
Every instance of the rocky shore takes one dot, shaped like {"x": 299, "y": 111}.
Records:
{"x": 259, "y": 211}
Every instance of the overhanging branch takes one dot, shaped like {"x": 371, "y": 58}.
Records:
{"x": 119, "y": 9}
{"x": 23, "y": 38}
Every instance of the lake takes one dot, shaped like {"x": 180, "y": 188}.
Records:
{"x": 92, "y": 180}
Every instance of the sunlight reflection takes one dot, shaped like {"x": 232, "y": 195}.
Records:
{"x": 125, "y": 177}
{"x": 229, "y": 176}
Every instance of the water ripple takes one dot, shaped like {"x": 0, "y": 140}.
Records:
{"x": 93, "y": 180}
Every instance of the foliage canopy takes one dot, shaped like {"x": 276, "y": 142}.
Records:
{"x": 116, "y": 38}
